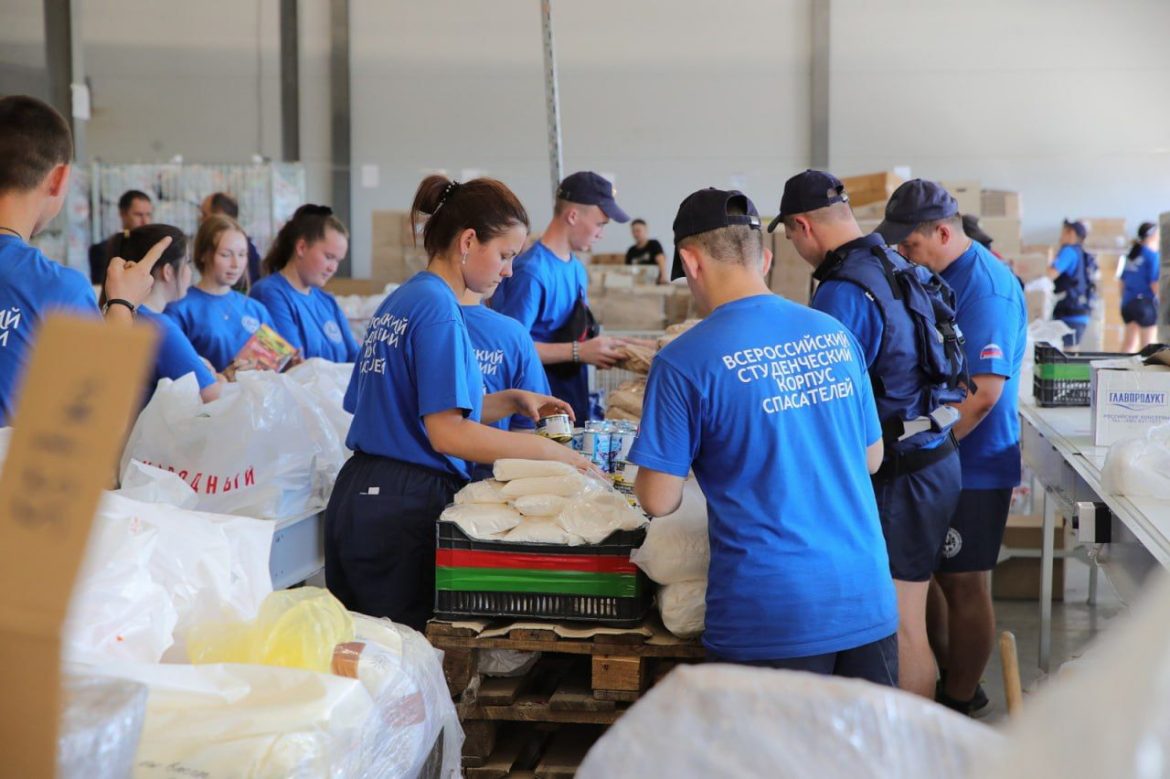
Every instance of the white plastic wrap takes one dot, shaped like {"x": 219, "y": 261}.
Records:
{"x": 264, "y": 449}
{"x": 482, "y": 520}
{"x": 509, "y": 469}
{"x": 101, "y": 722}
{"x": 326, "y": 383}
{"x": 486, "y": 491}
{"x": 677, "y": 548}
{"x": 566, "y": 485}
{"x": 722, "y": 720}
{"x": 1140, "y": 467}
{"x": 541, "y": 530}
{"x": 540, "y": 505}
{"x": 684, "y": 607}
{"x": 594, "y": 518}
{"x": 506, "y": 662}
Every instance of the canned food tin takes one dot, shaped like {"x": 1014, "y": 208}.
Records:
{"x": 558, "y": 427}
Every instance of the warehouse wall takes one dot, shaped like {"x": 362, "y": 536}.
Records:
{"x": 1063, "y": 100}
{"x": 22, "y": 49}
{"x": 665, "y": 101}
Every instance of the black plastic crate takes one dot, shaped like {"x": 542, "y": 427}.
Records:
{"x": 608, "y": 609}
{"x": 1064, "y": 378}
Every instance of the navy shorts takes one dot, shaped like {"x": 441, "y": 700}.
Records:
{"x": 876, "y": 662}
{"x": 380, "y": 537}
{"x": 976, "y": 531}
{"x": 1141, "y": 311}
{"x": 915, "y": 510}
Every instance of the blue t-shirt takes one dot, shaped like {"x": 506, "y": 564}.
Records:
{"x": 994, "y": 320}
{"x": 417, "y": 360}
{"x": 31, "y": 286}
{"x": 311, "y": 322}
{"x": 1139, "y": 273}
{"x": 770, "y": 403}
{"x": 540, "y": 295}
{"x": 507, "y": 358}
{"x": 176, "y": 356}
{"x": 218, "y": 326}
{"x": 1068, "y": 263}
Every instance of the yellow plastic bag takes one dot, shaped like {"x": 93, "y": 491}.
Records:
{"x": 294, "y": 629}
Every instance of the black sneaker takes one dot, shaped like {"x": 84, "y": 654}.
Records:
{"x": 978, "y": 707}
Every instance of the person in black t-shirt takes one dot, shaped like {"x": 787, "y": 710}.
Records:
{"x": 646, "y": 251}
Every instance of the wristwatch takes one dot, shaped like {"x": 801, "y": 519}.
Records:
{"x": 119, "y": 302}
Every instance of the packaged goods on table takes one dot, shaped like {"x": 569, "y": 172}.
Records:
{"x": 101, "y": 722}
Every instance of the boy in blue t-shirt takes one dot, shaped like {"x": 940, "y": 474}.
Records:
{"x": 1074, "y": 300}
{"x": 770, "y": 404}
{"x": 35, "y": 149}
{"x": 991, "y": 313}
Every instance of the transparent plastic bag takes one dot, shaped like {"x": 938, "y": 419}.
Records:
{"x": 486, "y": 491}
{"x": 1140, "y": 467}
{"x": 509, "y": 469}
{"x": 677, "y": 548}
{"x": 539, "y": 505}
{"x": 683, "y": 607}
{"x": 101, "y": 722}
{"x": 294, "y": 629}
{"x": 482, "y": 520}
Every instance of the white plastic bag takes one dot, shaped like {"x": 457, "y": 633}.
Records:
{"x": 486, "y": 491}
{"x": 593, "y": 520}
{"x": 101, "y": 722}
{"x": 677, "y": 548}
{"x": 506, "y": 662}
{"x": 326, "y": 383}
{"x": 696, "y": 724}
{"x": 541, "y": 530}
{"x": 264, "y": 449}
{"x": 539, "y": 505}
{"x": 509, "y": 469}
{"x": 482, "y": 520}
{"x": 1140, "y": 467}
{"x": 565, "y": 486}
{"x": 1039, "y": 331}
{"x": 683, "y": 607}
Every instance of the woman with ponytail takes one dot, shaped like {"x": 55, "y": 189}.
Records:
{"x": 302, "y": 259}
{"x": 1139, "y": 290}
{"x": 420, "y": 413}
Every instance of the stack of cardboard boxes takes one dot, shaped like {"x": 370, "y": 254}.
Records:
{"x": 627, "y": 297}
{"x": 395, "y": 257}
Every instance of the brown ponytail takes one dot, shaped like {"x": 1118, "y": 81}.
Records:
{"x": 308, "y": 222}
{"x": 484, "y": 205}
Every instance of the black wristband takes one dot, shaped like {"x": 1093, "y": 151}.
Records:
{"x": 120, "y": 302}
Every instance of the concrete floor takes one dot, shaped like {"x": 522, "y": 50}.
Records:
{"x": 1074, "y": 625}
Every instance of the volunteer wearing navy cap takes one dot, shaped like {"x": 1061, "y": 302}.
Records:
{"x": 1139, "y": 290}
{"x": 1073, "y": 269}
{"x": 770, "y": 404}
{"x": 547, "y": 291}
{"x": 923, "y": 220}
{"x": 417, "y": 399}
{"x": 889, "y": 307}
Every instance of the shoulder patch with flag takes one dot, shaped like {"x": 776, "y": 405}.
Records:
{"x": 991, "y": 352}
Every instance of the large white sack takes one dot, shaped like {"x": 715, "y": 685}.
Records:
{"x": 541, "y": 530}
{"x": 683, "y": 607}
{"x": 326, "y": 383}
{"x": 264, "y": 449}
{"x": 482, "y": 520}
{"x": 540, "y": 505}
{"x": 722, "y": 720}
{"x": 152, "y": 571}
{"x": 566, "y": 486}
{"x": 677, "y": 548}
{"x": 486, "y": 491}
{"x": 594, "y": 517}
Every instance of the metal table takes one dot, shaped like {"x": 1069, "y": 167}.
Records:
{"x": 1057, "y": 444}
{"x": 298, "y": 548}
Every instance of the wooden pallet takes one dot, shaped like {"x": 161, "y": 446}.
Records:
{"x": 535, "y": 753}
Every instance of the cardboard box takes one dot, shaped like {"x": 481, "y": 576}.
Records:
{"x": 1005, "y": 234}
{"x": 81, "y": 391}
{"x": 1126, "y": 400}
{"x": 968, "y": 193}
{"x": 609, "y": 259}
{"x": 393, "y": 229}
{"x": 630, "y": 310}
{"x": 1106, "y": 233}
{"x": 1018, "y": 578}
{"x": 396, "y": 264}
{"x": 790, "y": 276}
{"x": 1001, "y": 202}
{"x": 872, "y": 212}
{"x": 1030, "y": 266}
{"x": 871, "y": 187}
{"x": 339, "y": 286}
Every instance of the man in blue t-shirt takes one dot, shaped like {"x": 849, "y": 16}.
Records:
{"x": 918, "y": 485}
{"x": 1069, "y": 269}
{"x": 923, "y": 220}
{"x": 547, "y": 292}
{"x": 35, "y": 149}
{"x": 770, "y": 404}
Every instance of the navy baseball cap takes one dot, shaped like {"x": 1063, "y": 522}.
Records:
{"x": 809, "y": 191}
{"x": 913, "y": 203}
{"x": 590, "y": 189}
{"x": 707, "y": 210}
{"x": 1078, "y": 228}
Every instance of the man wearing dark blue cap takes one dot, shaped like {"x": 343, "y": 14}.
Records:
{"x": 1073, "y": 269}
{"x": 923, "y": 220}
{"x": 547, "y": 292}
{"x": 769, "y": 403}
{"x": 882, "y": 299}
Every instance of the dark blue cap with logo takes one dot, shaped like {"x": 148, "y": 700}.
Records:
{"x": 709, "y": 209}
{"x": 809, "y": 191}
{"x": 590, "y": 189}
{"x": 1078, "y": 228}
{"x": 915, "y": 202}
